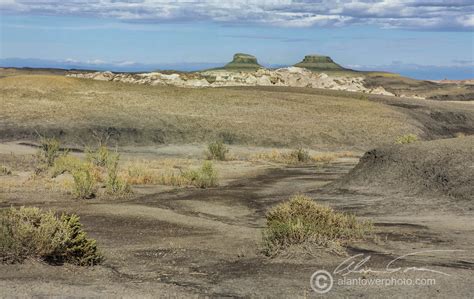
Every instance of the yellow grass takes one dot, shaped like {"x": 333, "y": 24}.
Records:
{"x": 268, "y": 117}
{"x": 285, "y": 157}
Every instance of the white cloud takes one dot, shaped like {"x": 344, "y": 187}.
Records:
{"x": 416, "y": 14}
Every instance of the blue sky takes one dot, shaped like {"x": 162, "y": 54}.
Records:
{"x": 424, "y": 39}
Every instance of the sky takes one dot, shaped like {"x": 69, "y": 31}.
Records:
{"x": 425, "y": 39}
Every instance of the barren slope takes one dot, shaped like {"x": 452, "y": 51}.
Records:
{"x": 441, "y": 167}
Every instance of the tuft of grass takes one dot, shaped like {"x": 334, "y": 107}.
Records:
{"x": 114, "y": 183}
{"x": 405, "y": 139}
{"x": 5, "y": 170}
{"x": 204, "y": 177}
{"x": 217, "y": 151}
{"x": 303, "y": 221}
{"x": 33, "y": 233}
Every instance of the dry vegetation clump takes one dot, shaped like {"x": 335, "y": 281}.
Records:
{"x": 167, "y": 172}
{"x": 33, "y": 233}
{"x": 5, "y": 170}
{"x": 204, "y": 177}
{"x": 173, "y": 179}
{"x": 63, "y": 164}
{"x": 85, "y": 175}
{"x": 296, "y": 156}
{"x": 98, "y": 157}
{"x": 84, "y": 181}
{"x": 100, "y": 166}
{"x": 302, "y": 221}
{"x": 299, "y": 156}
{"x": 405, "y": 139}
{"x": 217, "y": 151}
{"x": 140, "y": 174}
{"x": 49, "y": 150}
{"x": 115, "y": 184}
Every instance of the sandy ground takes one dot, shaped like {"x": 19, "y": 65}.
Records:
{"x": 188, "y": 242}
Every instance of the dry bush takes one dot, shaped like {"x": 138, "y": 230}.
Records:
{"x": 299, "y": 155}
{"x": 303, "y": 221}
{"x": 294, "y": 157}
{"x": 405, "y": 139}
{"x": 173, "y": 179}
{"x": 98, "y": 157}
{"x": 204, "y": 177}
{"x": 49, "y": 150}
{"x": 115, "y": 184}
{"x": 85, "y": 175}
{"x": 84, "y": 181}
{"x": 33, "y": 233}
{"x": 217, "y": 151}
{"x": 4, "y": 170}
{"x": 65, "y": 163}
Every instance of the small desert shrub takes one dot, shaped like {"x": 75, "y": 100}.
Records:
{"x": 299, "y": 155}
{"x": 65, "y": 163}
{"x": 114, "y": 183}
{"x": 204, "y": 177}
{"x": 49, "y": 151}
{"x": 217, "y": 151}
{"x": 405, "y": 139}
{"x": 84, "y": 181}
{"x": 303, "y": 221}
{"x": 4, "y": 170}
{"x": 33, "y": 233}
{"x": 99, "y": 157}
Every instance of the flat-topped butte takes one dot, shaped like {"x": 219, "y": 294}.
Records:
{"x": 319, "y": 63}
{"x": 243, "y": 61}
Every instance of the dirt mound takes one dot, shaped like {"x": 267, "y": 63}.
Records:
{"x": 441, "y": 167}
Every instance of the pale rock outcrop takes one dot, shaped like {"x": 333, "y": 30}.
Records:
{"x": 291, "y": 77}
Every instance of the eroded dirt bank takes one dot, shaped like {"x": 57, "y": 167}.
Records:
{"x": 440, "y": 168}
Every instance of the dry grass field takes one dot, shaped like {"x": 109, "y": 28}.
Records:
{"x": 153, "y": 115}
